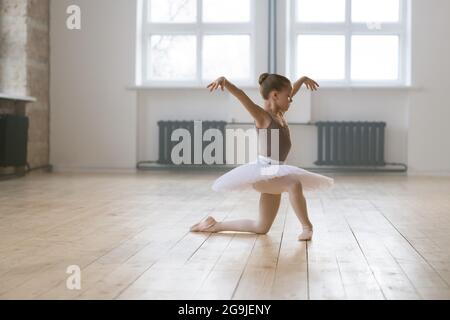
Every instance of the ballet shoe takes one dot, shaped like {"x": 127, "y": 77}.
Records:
{"x": 204, "y": 225}
{"x": 306, "y": 235}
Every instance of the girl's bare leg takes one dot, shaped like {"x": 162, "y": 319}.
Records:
{"x": 268, "y": 209}
{"x": 295, "y": 189}
{"x": 298, "y": 203}
{"x": 269, "y": 188}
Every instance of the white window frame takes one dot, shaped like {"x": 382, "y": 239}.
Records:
{"x": 198, "y": 29}
{"x": 348, "y": 29}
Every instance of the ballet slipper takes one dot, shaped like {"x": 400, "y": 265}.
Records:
{"x": 306, "y": 235}
{"x": 204, "y": 225}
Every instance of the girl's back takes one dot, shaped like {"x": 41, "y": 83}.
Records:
{"x": 265, "y": 140}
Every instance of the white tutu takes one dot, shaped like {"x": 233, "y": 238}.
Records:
{"x": 263, "y": 169}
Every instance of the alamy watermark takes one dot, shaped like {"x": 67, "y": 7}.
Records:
{"x": 73, "y": 282}
{"x": 241, "y": 146}
{"x": 73, "y": 21}
{"x": 373, "y": 25}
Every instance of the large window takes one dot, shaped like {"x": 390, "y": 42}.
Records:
{"x": 337, "y": 42}
{"x": 190, "y": 42}
{"x": 349, "y": 42}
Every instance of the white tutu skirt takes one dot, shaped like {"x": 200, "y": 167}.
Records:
{"x": 264, "y": 169}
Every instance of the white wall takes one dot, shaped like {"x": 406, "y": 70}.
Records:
{"x": 93, "y": 115}
{"x": 327, "y": 105}
{"x": 173, "y": 104}
{"x": 387, "y": 105}
{"x": 429, "y": 115}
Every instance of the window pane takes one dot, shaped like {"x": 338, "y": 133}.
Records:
{"x": 375, "y": 57}
{"x": 226, "y": 55}
{"x": 172, "y": 11}
{"x": 226, "y": 10}
{"x": 375, "y": 10}
{"x": 172, "y": 57}
{"x": 321, "y": 10}
{"x": 321, "y": 56}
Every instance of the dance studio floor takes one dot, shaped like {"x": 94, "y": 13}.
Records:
{"x": 376, "y": 237}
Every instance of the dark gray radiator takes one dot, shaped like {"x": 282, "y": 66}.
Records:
{"x": 351, "y": 143}
{"x": 166, "y": 128}
{"x": 13, "y": 140}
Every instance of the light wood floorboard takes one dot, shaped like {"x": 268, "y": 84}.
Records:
{"x": 376, "y": 237}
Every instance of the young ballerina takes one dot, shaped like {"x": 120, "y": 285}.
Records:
{"x": 268, "y": 175}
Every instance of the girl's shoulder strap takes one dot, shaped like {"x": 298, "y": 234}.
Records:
{"x": 275, "y": 121}
{"x": 270, "y": 124}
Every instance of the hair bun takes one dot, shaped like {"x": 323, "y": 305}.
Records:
{"x": 263, "y": 77}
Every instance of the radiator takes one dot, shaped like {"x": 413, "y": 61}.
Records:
{"x": 351, "y": 143}
{"x": 166, "y": 128}
{"x": 13, "y": 140}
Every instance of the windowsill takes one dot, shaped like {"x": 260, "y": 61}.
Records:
{"x": 324, "y": 87}
{"x": 178, "y": 87}
{"x": 373, "y": 87}
{"x": 14, "y": 97}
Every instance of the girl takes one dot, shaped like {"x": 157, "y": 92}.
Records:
{"x": 268, "y": 175}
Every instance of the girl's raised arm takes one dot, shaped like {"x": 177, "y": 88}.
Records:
{"x": 256, "y": 111}
{"x": 309, "y": 83}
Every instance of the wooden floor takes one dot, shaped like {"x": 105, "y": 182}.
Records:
{"x": 376, "y": 237}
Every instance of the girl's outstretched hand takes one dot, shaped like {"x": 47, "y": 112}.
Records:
{"x": 220, "y": 82}
{"x": 310, "y": 83}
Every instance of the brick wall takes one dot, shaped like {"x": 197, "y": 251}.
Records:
{"x": 24, "y": 67}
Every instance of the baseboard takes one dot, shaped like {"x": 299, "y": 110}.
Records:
{"x": 78, "y": 169}
{"x": 425, "y": 173}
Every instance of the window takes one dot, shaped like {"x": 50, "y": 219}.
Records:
{"x": 349, "y": 42}
{"x": 337, "y": 42}
{"x": 191, "y": 42}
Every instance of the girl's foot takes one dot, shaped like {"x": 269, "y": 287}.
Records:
{"x": 307, "y": 234}
{"x": 204, "y": 226}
